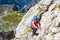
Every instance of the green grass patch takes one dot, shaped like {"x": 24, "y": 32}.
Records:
{"x": 13, "y": 18}
{"x": 28, "y": 29}
{"x": 40, "y": 38}
{"x": 40, "y": 9}
{"x": 58, "y": 5}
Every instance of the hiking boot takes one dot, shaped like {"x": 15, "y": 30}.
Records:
{"x": 36, "y": 34}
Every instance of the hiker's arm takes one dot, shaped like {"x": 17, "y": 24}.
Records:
{"x": 38, "y": 23}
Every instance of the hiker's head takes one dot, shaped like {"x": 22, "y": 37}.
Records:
{"x": 35, "y": 17}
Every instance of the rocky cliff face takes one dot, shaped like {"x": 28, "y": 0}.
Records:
{"x": 50, "y": 21}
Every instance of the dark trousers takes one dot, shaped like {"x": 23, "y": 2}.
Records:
{"x": 34, "y": 31}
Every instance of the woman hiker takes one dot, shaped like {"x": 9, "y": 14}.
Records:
{"x": 35, "y": 24}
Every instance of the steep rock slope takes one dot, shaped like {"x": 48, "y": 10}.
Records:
{"x": 50, "y": 22}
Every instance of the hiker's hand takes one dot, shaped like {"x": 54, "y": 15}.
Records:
{"x": 36, "y": 27}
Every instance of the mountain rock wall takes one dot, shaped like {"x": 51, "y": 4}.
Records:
{"x": 50, "y": 21}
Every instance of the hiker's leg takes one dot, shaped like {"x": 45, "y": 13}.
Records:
{"x": 34, "y": 31}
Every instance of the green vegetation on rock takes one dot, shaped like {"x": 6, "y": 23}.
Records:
{"x": 10, "y": 19}
{"x": 40, "y": 38}
{"x": 28, "y": 29}
{"x": 40, "y": 9}
{"x": 58, "y": 5}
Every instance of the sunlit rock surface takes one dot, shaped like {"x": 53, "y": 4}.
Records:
{"x": 50, "y": 22}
